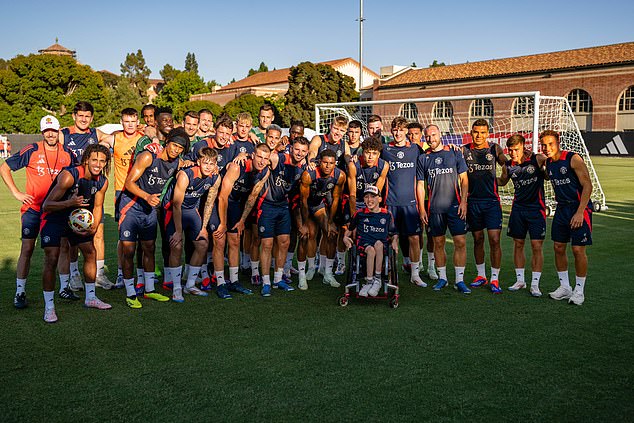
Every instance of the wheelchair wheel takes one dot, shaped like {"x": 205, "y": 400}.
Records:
{"x": 393, "y": 268}
{"x": 393, "y": 303}
{"x": 352, "y": 268}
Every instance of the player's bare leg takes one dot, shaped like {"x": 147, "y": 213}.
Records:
{"x": 99, "y": 243}
{"x": 329, "y": 247}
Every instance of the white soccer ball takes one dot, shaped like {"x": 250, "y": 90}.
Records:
{"x": 81, "y": 220}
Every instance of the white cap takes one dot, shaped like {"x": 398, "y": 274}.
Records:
{"x": 49, "y": 122}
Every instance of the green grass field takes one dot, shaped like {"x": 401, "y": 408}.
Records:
{"x": 299, "y": 356}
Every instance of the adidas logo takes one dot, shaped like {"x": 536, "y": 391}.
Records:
{"x": 41, "y": 161}
{"x": 366, "y": 220}
{"x": 615, "y": 146}
{"x": 71, "y": 143}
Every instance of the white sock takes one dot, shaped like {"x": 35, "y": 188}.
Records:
{"x": 406, "y": 261}
{"x": 415, "y": 270}
{"x": 341, "y": 257}
{"x": 301, "y": 267}
{"x": 177, "y": 274}
{"x": 90, "y": 291}
{"x": 220, "y": 277}
{"x": 63, "y": 281}
{"x": 20, "y": 286}
{"x": 74, "y": 268}
{"x": 323, "y": 262}
{"x": 204, "y": 273}
{"x": 495, "y": 274}
{"x": 563, "y": 279}
{"x": 149, "y": 281}
{"x": 255, "y": 268}
{"x": 328, "y": 266}
{"x": 535, "y": 279}
{"x": 277, "y": 276}
{"x": 266, "y": 279}
{"x": 519, "y": 274}
{"x": 119, "y": 272}
{"x": 129, "y": 287}
{"x": 168, "y": 276}
{"x": 139, "y": 276}
{"x": 481, "y": 270}
{"x": 311, "y": 262}
{"x": 233, "y": 274}
{"x": 191, "y": 276}
{"x": 49, "y": 302}
{"x": 100, "y": 264}
{"x": 288, "y": 264}
{"x": 442, "y": 272}
{"x": 431, "y": 260}
{"x": 459, "y": 273}
{"x": 580, "y": 283}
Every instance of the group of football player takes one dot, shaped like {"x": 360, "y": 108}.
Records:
{"x": 265, "y": 201}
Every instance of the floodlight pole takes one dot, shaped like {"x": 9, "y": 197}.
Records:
{"x": 361, "y": 19}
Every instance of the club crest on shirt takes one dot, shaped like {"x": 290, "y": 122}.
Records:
{"x": 563, "y": 170}
{"x": 489, "y": 157}
{"x": 400, "y": 154}
{"x": 438, "y": 160}
{"x": 382, "y": 221}
{"x": 530, "y": 169}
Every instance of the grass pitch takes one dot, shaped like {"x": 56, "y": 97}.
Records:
{"x": 299, "y": 356}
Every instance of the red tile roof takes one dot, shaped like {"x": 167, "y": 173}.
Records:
{"x": 280, "y": 76}
{"x": 561, "y": 60}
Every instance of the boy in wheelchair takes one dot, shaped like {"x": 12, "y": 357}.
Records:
{"x": 374, "y": 227}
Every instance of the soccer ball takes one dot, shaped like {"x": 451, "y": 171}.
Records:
{"x": 80, "y": 220}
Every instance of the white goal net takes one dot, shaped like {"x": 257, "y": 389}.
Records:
{"x": 507, "y": 114}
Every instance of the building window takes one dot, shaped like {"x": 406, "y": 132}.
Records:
{"x": 523, "y": 106}
{"x": 409, "y": 111}
{"x": 625, "y": 113}
{"x": 580, "y": 101}
{"x": 481, "y": 108}
{"x": 442, "y": 116}
{"x": 626, "y": 101}
{"x": 443, "y": 110}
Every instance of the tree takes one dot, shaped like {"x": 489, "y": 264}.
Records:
{"x": 179, "y": 89}
{"x": 211, "y": 85}
{"x": 180, "y": 110}
{"x": 413, "y": 64}
{"x": 309, "y": 84}
{"x": 135, "y": 69}
{"x": 3, "y": 64}
{"x": 245, "y": 103}
{"x": 262, "y": 68}
{"x": 436, "y": 64}
{"x": 35, "y": 85}
{"x": 168, "y": 72}
{"x": 191, "y": 65}
{"x": 118, "y": 97}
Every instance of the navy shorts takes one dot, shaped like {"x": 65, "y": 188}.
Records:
{"x": 313, "y": 208}
{"x": 561, "y": 231}
{"x": 406, "y": 219}
{"x": 53, "y": 230}
{"x": 484, "y": 215}
{"x": 137, "y": 225}
{"x": 191, "y": 223}
{"x": 438, "y": 223}
{"x": 31, "y": 220}
{"x": 234, "y": 213}
{"x": 524, "y": 221}
{"x": 273, "y": 221}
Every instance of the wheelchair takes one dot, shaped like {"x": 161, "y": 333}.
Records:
{"x": 356, "y": 274}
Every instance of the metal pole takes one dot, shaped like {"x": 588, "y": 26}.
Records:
{"x": 360, "y": 44}
{"x": 536, "y": 122}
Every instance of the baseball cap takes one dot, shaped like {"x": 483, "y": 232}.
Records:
{"x": 49, "y": 122}
{"x": 371, "y": 189}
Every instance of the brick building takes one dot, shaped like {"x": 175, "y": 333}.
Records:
{"x": 598, "y": 82}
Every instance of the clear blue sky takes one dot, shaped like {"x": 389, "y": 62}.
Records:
{"x": 229, "y": 38}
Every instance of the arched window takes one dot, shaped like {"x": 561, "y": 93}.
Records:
{"x": 442, "y": 116}
{"x": 410, "y": 112}
{"x": 481, "y": 108}
{"x": 522, "y": 119}
{"x": 581, "y": 105}
{"x": 625, "y": 112}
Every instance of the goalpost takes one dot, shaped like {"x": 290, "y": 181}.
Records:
{"x": 527, "y": 113}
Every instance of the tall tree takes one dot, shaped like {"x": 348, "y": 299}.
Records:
{"x": 191, "y": 65}
{"x": 168, "y": 72}
{"x": 35, "y": 85}
{"x": 135, "y": 69}
{"x": 179, "y": 90}
{"x": 309, "y": 84}
{"x": 261, "y": 68}
{"x": 245, "y": 103}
